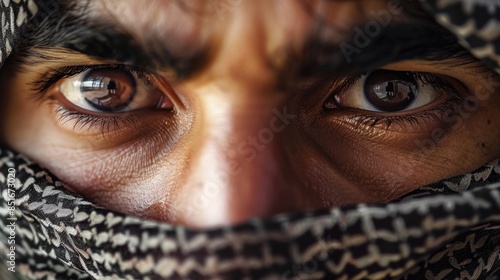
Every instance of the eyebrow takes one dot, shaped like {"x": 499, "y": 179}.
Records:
{"x": 71, "y": 29}
{"x": 404, "y": 39}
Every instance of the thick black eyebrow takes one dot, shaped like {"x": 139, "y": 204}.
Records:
{"x": 111, "y": 43}
{"x": 402, "y": 40}
{"x": 98, "y": 38}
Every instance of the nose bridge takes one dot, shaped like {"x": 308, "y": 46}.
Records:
{"x": 238, "y": 166}
{"x": 238, "y": 163}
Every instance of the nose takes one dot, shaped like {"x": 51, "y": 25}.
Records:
{"x": 239, "y": 165}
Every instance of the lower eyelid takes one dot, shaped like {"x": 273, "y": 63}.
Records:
{"x": 87, "y": 124}
{"x": 369, "y": 123}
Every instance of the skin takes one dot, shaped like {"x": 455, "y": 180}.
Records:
{"x": 236, "y": 145}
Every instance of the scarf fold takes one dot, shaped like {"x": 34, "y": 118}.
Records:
{"x": 447, "y": 230}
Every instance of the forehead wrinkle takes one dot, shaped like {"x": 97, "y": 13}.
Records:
{"x": 184, "y": 26}
{"x": 160, "y": 22}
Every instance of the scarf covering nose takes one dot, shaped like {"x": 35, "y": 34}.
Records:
{"x": 448, "y": 230}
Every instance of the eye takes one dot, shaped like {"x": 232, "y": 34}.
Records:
{"x": 112, "y": 90}
{"x": 391, "y": 91}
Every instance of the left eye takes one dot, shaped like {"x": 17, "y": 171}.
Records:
{"x": 390, "y": 91}
{"x": 112, "y": 90}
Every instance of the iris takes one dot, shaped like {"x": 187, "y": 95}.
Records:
{"x": 107, "y": 90}
{"x": 391, "y": 91}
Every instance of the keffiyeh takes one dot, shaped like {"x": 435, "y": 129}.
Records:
{"x": 447, "y": 230}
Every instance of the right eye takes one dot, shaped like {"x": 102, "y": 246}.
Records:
{"x": 112, "y": 90}
{"x": 387, "y": 91}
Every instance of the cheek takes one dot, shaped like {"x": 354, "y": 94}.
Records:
{"x": 352, "y": 170}
{"x": 24, "y": 120}
{"x": 128, "y": 177}
{"x": 352, "y": 166}
{"x": 489, "y": 124}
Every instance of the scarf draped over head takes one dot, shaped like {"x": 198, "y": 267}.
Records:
{"x": 447, "y": 230}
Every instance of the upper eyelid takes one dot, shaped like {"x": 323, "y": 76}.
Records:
{"x": 435, "y": 80}
{"x": 52, "y": 76}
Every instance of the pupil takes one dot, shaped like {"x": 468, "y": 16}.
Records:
{"x": 391, "y": 91}
{"x": 112, "y": 85}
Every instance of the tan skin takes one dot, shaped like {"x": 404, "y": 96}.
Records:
{"x": 228, "y": 144}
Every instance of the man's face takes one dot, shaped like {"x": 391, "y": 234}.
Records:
{"x": 205, "y": 113}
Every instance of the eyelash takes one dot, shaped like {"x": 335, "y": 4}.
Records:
{"x": 55, "y": 75}
{"x": 435, "y": 81}
{"x": 415, "y": 119}
{"x": 87, "y": 121}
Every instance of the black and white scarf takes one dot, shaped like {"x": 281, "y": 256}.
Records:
{"x": 448, "y": 230}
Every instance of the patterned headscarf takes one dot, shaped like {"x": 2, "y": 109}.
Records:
{"x": 448, "y": 230}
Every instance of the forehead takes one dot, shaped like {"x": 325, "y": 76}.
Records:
{"x": 182, "y": 24}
